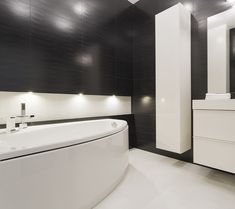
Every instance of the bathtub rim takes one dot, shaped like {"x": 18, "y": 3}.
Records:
{"x": 57, "y": 146}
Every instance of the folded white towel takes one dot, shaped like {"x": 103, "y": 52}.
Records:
{"x": 210, "y": 96}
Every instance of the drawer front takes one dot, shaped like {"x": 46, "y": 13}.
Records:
{"x": 215, "y": 154}
{"x": 214, "y": 124}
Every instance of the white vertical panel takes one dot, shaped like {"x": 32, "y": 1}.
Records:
{"x": 218, "y": 60}
{"x": 173, "y": 79}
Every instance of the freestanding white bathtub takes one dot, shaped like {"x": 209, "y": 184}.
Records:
{"x": 62, "y": 166}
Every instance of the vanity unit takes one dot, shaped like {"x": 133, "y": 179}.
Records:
{"x": 214, "y": 118}
{"x": 214, "y": 133}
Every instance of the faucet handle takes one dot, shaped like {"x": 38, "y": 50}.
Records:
{"x": 11, "y": 124}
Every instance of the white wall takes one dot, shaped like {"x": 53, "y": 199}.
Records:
{"x": 62, "y": 106}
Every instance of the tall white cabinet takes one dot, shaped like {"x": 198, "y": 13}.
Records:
{"x": 173, "y": 79}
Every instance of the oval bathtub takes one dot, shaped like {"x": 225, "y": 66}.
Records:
{"x": 70, "y": 165}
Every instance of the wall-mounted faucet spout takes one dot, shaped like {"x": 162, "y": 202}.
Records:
{"x": 23, "y": 111}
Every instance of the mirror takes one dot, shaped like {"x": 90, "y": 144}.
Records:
{"x": 221, "y": 54}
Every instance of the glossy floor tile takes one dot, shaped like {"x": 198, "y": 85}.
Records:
{"x": 154, "y": 181}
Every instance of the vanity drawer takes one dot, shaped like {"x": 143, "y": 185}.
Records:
{"x": 215, "y": 153}
{"x": 215, "y": 124}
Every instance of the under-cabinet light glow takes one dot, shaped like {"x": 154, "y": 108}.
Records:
{"x": 80, "y": 99}
{"x": 28, "y": 97}
{"x": 112, "y": 101}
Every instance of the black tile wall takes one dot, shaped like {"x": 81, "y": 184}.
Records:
{"x": 143, "y": 100}
{"x": 108, "y": 49}
{"x": 45, "y": 46}
{"x": 14, "y": 45}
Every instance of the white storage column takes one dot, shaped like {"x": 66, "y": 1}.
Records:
{"x": 173, "y": 79}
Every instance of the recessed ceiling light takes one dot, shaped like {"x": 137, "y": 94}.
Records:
{"x": 80, "y": 9}
{"x": 85, "y": 59}
{"x": 20, "y": 9}
{"x": 63, "y": 24}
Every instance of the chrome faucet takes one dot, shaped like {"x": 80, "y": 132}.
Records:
{"x": 23, "y": 124}
{"x": 11, "y": 121}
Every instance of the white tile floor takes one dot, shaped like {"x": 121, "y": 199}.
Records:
{"x": 157, "y": 182}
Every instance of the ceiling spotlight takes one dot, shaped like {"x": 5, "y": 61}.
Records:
{"x": 80, "y": 9}
{"x": 85, "y": 59}
{"x": 20, "y": 9}
{"x": 63, "y": 24}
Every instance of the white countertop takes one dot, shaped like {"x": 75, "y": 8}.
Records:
{"x": 214, "y": 104}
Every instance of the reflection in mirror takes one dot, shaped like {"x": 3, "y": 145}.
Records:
{"x": 219, "y": 45}
{"x": 19, "y": 9}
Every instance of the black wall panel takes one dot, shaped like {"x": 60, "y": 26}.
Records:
{"x": 143, "y": 100}
{"x": 67, "y": 46}
{"x": 14, "y": 45}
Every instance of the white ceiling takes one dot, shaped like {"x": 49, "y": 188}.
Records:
{"x": 133, "y": 1}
